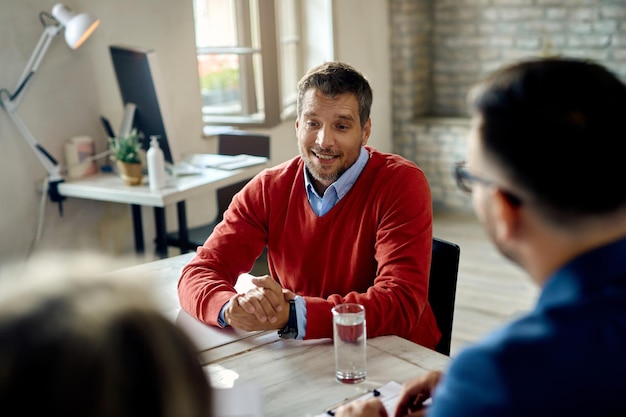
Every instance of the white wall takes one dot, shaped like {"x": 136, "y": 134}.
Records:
{"x": 73, "y": 88}
{"x": 362, "y": 40}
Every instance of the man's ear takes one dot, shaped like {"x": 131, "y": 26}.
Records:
{"x": 506, "y": 216}
{"x": 367, "y": 130}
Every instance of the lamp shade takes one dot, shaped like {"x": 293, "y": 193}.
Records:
{"x": 78, "y": 27}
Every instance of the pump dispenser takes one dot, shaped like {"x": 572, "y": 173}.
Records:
{"x": 156, "y": 165}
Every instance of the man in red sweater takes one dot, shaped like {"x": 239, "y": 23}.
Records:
{"x": 342, "y": 223}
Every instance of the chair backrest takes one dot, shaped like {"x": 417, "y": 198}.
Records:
{"x": 236, "y": 143}
{"x": 444, "y": 269}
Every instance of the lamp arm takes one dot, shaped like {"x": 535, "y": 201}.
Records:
{"x": 53, "y": 24}
{"x": 50, "y": 31}
{"x": 11, "y": 102}
{"x": 50, "y": 164}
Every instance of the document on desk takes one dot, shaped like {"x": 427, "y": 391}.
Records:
{"x": 388, "y": 394}
{"x": 244, "y": 400}
{"x": 228, "y": 162}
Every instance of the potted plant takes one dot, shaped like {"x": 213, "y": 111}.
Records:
{"x": 125, "y": 151}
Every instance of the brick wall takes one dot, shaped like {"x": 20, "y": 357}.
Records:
{"x": 441, "y": 47}
{"x": 440, "y": 142}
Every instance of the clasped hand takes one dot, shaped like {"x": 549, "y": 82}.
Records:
{"x": 264, "y": 307}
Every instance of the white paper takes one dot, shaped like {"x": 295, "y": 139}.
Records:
{"x": 245, "y": 400}
{"x": 389, "y": 394}
{"x": 228, "y": 162}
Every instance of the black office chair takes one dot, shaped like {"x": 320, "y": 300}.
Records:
{"x": 231, "y": 143}
{"x": 444, "y": 269}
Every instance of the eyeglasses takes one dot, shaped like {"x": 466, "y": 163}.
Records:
{"x": 464, "y": 180}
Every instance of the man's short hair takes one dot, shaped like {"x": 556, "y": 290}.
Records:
{"x": 556, "y": 127}
{"x": 335, "y": 78}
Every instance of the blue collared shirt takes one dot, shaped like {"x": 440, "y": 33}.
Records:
{"x": 570, "y": 348}
{"x": 337, "y": 190}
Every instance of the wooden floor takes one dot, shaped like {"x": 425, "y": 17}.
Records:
{"x": 491, "y": 290}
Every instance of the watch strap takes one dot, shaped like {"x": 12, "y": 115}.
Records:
{"x": 290, "y": 331}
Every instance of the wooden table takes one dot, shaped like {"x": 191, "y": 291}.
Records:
{"x": 296, "y": 377}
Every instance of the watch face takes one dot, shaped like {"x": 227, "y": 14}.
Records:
{"x": 289, "y": 334}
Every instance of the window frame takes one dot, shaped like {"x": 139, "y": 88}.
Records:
{"x": 274, "y": 110}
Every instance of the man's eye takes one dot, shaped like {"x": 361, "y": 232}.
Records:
{"x": 311, "y": 124}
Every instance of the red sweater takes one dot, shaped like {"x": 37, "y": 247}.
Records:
{"x": 372, "y": 248}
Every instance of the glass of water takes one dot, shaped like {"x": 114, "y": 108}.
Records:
{"x": 350, "y": 343}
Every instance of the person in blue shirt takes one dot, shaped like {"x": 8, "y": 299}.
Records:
{"x": 545, "y": 168}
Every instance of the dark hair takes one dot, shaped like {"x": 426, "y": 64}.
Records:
{"x": 556, "y": 128}
{"x": 334, "y": 78}
{"x": 94, "y": 347}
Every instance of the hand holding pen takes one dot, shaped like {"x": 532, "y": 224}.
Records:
{"x": 371, "y": 407}
{"x": 412, "y": 401}
{"x": 414, "y": 393}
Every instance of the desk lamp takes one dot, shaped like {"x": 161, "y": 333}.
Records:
{"x": 78, "y": 27}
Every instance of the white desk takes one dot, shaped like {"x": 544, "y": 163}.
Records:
{"x": 296, "y": 377}
{"x": 110, "y": 187}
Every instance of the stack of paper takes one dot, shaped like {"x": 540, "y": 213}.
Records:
{"x": 228, "y": 162}
{"x": 245, "y": 400}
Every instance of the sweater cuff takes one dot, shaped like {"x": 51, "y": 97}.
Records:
{"x": 300, "y": 316}
{"x": 220, "y": 318}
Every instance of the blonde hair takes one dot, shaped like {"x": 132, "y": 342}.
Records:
{"x": 74, "y": 342}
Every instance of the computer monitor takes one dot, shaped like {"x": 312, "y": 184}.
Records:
{"x": 140, "y": 85}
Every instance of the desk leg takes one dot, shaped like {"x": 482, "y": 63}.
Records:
{"x": 183, "y": 231}
{"x": 137, "y": 229}
{"x": 161, "y": 232}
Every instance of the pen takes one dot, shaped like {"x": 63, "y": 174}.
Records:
{"x": 375, "y": 393}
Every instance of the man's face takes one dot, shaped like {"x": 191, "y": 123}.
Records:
{"x": 329, "y": 134}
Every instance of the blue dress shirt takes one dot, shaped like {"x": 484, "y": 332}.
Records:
{"x": 337, "y": 190}
{"x": 567, "y": 357}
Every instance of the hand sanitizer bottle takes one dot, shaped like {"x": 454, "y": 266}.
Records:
{"x": 156, "y": 165}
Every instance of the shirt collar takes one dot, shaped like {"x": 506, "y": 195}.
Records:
{"x": 585, "y": 274}
{"x": 345, "y": 182}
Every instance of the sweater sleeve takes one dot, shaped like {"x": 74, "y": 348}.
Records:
{"x": 208, "y": 281}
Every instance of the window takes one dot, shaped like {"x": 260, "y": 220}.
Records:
{"x": 248, "y": 60}
{"x": 290, "y": 45}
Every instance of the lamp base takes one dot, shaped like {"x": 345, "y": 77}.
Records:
{"x": 54, "y": 195}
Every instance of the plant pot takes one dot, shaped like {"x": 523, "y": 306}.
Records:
{"x": 131, "y": 173}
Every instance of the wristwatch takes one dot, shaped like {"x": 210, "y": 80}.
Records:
{"x": 290, "y": 331}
